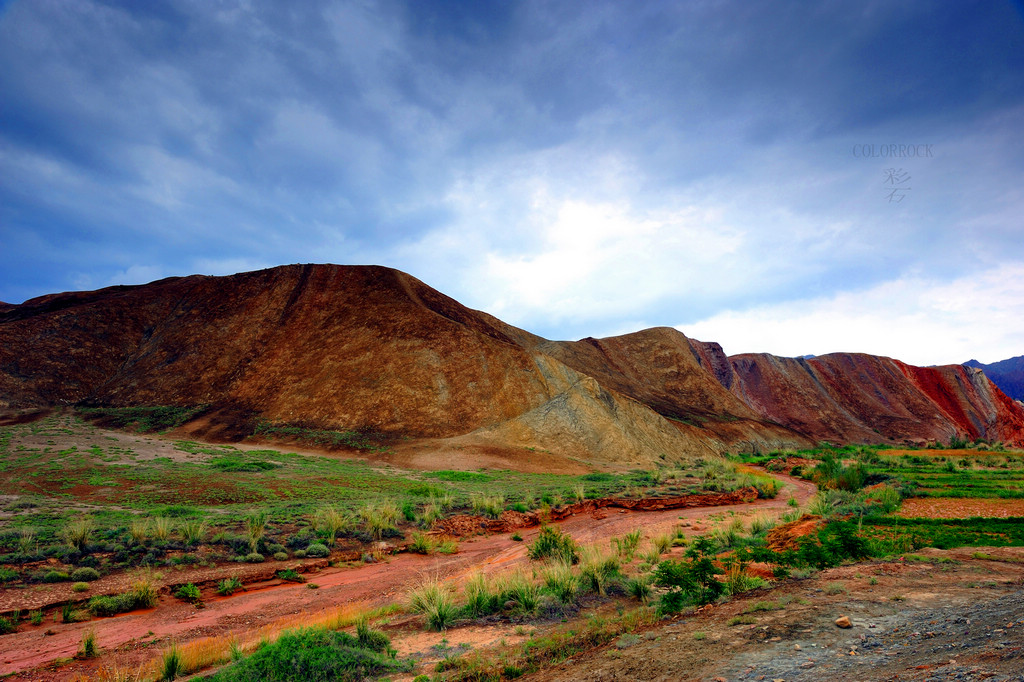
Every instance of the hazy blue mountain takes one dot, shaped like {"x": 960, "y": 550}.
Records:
{"x": 1008, "y": 375}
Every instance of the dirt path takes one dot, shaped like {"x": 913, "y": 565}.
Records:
{"x": 375, "y": 584}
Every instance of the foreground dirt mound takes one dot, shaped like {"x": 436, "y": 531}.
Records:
{"x": 926, "y": 621}
{"x": 787, "y": 536}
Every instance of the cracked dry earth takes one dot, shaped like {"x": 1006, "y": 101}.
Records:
{"x": 949, "y": 617}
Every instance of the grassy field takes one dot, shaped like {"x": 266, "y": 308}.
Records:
{"x": 61, "y": 470}
{"x": 982, "y": 472}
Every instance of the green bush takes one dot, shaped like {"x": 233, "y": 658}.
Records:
{"x": 316, "y": 654}
{"x": 254, "y": 558}
{"x": 142, "y": 596}
{"x": 80, "y": 587}
{"x": 228, "y": 586}
{"x": 553, "y": 543}
{"x": 171, "y": 665}
{"x": 435, "y": 603}
{"x": 6, "y": 625}
{"x": 317, "y": 551}
{"x": 421, "y": 544}
{"x": 692, "y": 580}
{"x": 481, "y": 597}
{"x": 8, "y": 574}
{"x": 56, "y": 577}
{"x": 85, "y": 575}
{"x": 280, "y": 556}
{"x": 291, "y": 576}
{"x": 189, "y": 593}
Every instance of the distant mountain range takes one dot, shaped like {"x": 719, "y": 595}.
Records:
{"x": 374, "y": 350}
{"x": 1008, "y": 375}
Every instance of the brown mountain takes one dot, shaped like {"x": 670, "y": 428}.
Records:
{"x": 376, "y": 350}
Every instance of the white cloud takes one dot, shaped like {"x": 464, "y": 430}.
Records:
{"x": 919, "y": 320}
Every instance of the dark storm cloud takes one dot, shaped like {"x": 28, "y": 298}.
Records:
{"x": 456, "y": 140}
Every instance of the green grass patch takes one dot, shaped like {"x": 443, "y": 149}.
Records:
{"x": 898, "y": 535}
{"x": 143, "y": 419}
{"x": 329, "y": 438}
{"x": 315, "y": 655}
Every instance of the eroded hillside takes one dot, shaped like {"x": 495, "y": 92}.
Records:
{"x": 374, "y": 350}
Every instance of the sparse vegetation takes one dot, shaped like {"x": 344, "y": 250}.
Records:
{"x": 228, "y": 586}
{"x": 554, "y": 544}
{"x": 88, "y": 649}
{"x": 189, "y": 593}
{"x": 318, "y": 654}
{"x": 433, "y": 600}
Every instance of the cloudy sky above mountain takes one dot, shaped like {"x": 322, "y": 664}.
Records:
{"x": 575, "y": 168}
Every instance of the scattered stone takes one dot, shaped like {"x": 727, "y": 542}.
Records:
{"x": 807, "y": 665}
{"x": 796, "y": 647}
{"x": 843, "y": 622}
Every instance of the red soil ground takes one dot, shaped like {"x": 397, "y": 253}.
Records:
{"x": 129, "y": 639}
{"x": 953, "y": 508}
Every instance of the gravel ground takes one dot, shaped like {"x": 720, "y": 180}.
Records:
{"x": 984, "y": 641}
{"x": 943, "y": 615}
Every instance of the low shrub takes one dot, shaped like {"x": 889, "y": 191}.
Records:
{"x": 280, "y": 556}
{"x": 317, "y": 551}
{"x": 488, "y": 505}
{"x": 254, "y": 558}
{"x": 520, "y": 590}
{"x": 291, "y": 576}
{"x": 89, "y": 648}
{"x": 80, "y": 587}
{"x": 639, "y": 588}
{"x": 317, "y": 654}
{"x": 189, "y": 592}
{"x": 228, "y": 586}
{"x": 480, "y": 596}
{"x": 85, "y": 575}
{"x": 597, "y": 569}
{"x": 689, "y": 581}
{"x": 171, "y": 664}
{"x": 143, "y": 595}
{"x": 553, "y": 543}
{"x": 56, "y": 577}
{"x": 421, "y": 544}
{"x": 433, "y": 601}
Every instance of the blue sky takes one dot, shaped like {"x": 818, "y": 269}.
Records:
{"x": 575, "y": 168}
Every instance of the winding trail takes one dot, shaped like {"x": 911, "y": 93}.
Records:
{"x": 23, "y": 653}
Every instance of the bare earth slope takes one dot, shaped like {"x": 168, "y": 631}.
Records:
{"x": 364, "y": 348}
{"x": 373, "y": 349}
{"x": 852, "y": 397}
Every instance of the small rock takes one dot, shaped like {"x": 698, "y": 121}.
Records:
{"x": 843, "y": 622}
{"x": 796, "y": 647}
{"x": 808, "y": 664}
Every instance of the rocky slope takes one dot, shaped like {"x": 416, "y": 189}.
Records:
{"x": 852, "y": 397}
{"x": 375, "y": 350}
{"x": 1007, "y": 374}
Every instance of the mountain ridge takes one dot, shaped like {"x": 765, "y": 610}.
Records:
{"x": 374, "y": 349}
{"x": 1007, "y": 374}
